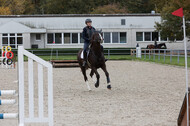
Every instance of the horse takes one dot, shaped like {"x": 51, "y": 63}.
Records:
{"x": 95, "y": 60}
{"x": 151, "y": 46}
{"x": 160, "y": 46}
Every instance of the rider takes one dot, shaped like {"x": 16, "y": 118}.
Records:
{"x": 86, "y": 35}
{"x": 155, "y": 43}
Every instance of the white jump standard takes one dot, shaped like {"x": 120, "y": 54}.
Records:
{"x": 21, "y": 116}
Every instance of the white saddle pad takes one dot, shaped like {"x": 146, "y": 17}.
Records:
{"x": 82, "y": 56}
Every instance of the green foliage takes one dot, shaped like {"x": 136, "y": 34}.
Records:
{"x": 109, "y": 9}
{"x": 77, "y": 6}
{"x": 172, "y": 26}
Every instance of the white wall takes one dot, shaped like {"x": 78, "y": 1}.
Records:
{"x": 78, "y": 22}
{"x": 40, "y": 43}
{"x": 26, "y": 40}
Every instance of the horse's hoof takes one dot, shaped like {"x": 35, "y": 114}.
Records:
{"x": 109, "y": 87}
{"x": 96, "y": 85}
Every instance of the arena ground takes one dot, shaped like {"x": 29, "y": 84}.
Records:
{"x": 143, "y": 94}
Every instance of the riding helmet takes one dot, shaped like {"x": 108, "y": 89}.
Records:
{"x": 88, "y": 20}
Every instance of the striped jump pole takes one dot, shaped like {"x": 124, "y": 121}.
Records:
{"x": 7, "y": 102}
{"x": 7, "y": 92}
{"x": 9, "y": 116}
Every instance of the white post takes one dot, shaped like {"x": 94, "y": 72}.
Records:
{"x": 185, "y": 49}
{"x": 21, "y": 84}
{"x": 138, "y": 52}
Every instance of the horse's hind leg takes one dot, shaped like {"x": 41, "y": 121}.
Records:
{"x": 97, "y": 76}
{"x": 107, "y": 76}
{"x": 85, "y": 78}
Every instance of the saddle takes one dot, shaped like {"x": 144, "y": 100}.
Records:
{"x": 82, "y": 53}
{"x": 82, "y": 56}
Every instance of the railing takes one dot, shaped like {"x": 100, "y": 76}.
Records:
{"x": 57, "y": 53}
{"x": 162, "y": 55}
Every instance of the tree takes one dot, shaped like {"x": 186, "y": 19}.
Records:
{"x": 171, "y": 26}
{"x": 138, "y": 6}
{"x": 109, "y": 9}
{"x": 5, "y": 11}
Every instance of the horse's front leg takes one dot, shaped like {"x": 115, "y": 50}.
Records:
{"x": 97, "y": 76}
{"x": 92, "y": 76}
{"x": 107, "y": 76}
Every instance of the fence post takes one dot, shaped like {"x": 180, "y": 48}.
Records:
{"x": 154, "y": 54}
{"x": 56, "y": 54}
{"x": 164, "y": 56}
{"x": 145, "y": 54}
{"x": 149, "y": 54}
{"x": 178, "y": 57}
{"x": 170, "y": 56}
{"x": 108, "y": 53}
{"x": 159, "y": 55}
{"x": 138, "y": 52}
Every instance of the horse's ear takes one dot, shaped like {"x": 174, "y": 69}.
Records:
{"x": 100, "y": 30}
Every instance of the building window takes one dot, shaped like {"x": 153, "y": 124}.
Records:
{"x": 122, "y": 21}
{"x": 5, "y": 34}
{"x": 81, "y": 39}
{"x": 115, "y": 37}
{"x": 107, "y": 37}
{"x": 19, "y": 34}
{"x": 54, "y": 38}
{"x": 74, "y": 38}
{"x": 67, "y": 38}
{"x": 50, "y": 38}
{"x": 12, "y": 34}
{"x": 38, "y": 37}
{"x": 12, "y": 40}
{"x": 155, "y": 36}
{"x": 58, "y": 38}
{"x": 19, "y": 41}
{"x": 123, "y": 37}
{"x": 5, "y": 41}
{"x": 147, "y": 36}
{"x": 139, "y": 36}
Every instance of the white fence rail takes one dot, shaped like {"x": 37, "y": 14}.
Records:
{"x": 41, "y": 65}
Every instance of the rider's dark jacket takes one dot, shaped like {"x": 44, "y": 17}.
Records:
{"x": 87, "y": 33}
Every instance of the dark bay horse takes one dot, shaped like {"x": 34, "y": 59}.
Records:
{"x": 159, "y": 46}
{"x": 95, "y": 60}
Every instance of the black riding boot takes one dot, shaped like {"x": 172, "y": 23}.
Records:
{"x": 85, "y": 59}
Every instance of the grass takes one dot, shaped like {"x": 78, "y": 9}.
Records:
{"x": 156, "y": 59}
{"x": 168, "y": 60}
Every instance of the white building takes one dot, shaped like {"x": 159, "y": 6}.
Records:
{"x": 64, "y": 31}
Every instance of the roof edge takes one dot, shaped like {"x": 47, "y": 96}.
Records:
{"x": 78, "y": 15}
